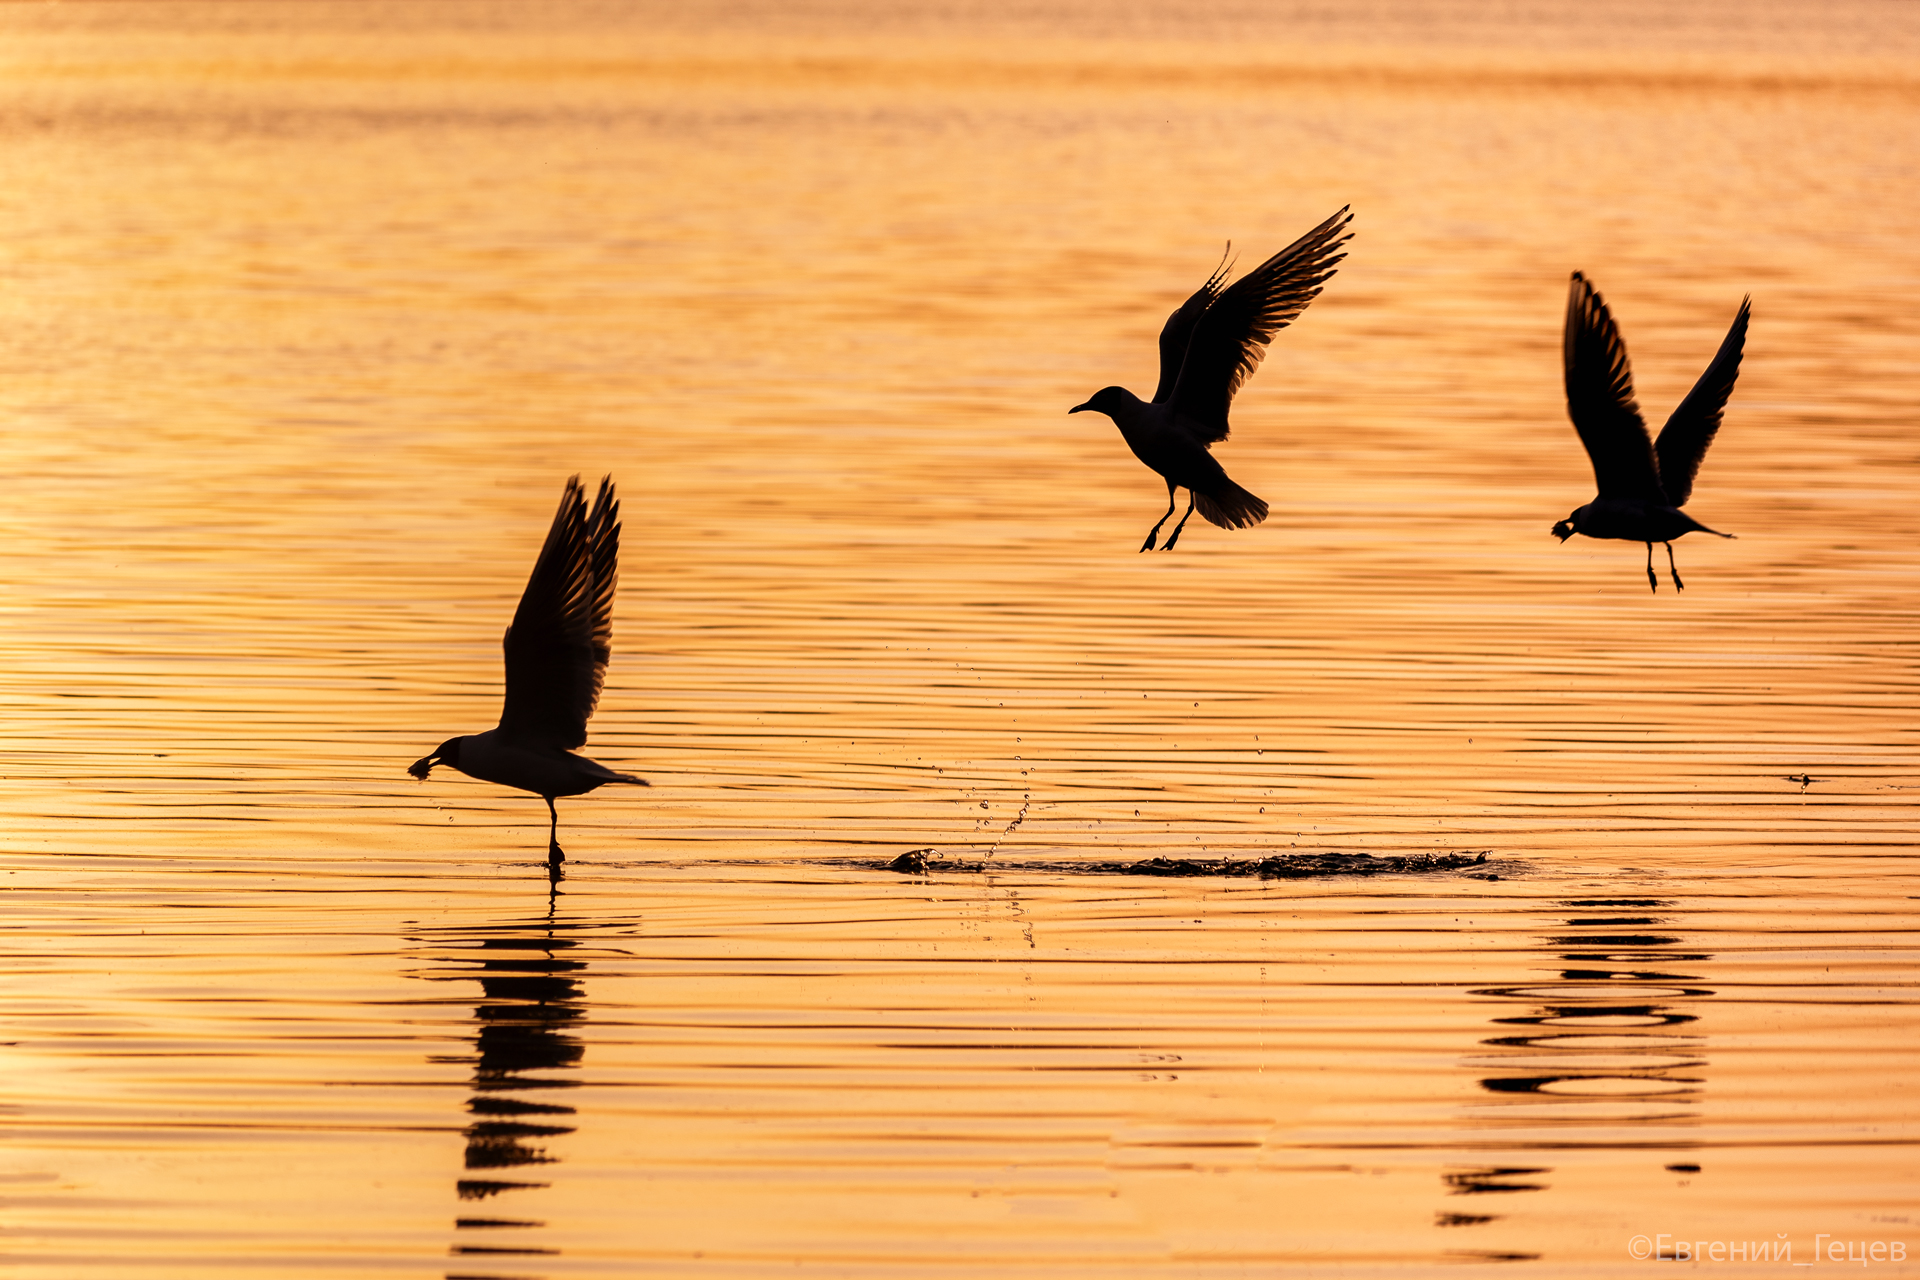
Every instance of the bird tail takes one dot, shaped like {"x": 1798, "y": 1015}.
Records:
{"x": 1695, "y": 524}
{"x": 605, "y": 775}
{"x": 1230, "y": 506}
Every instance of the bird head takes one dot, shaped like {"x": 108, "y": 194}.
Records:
{"x": 1106, "y": 400}
{"x": 447, "y": 752}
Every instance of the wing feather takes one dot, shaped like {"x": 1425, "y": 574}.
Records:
{"x": 1600, "y": 399}
{"x": 1684, "y": 440}
{"x": 1230, "y": 338}
{"x": 562, "y": 633}
{"x": 1178, "y": 331}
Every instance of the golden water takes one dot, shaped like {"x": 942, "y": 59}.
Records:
{"x": 310, "y": 310}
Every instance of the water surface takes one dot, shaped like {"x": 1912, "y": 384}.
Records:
{"x": 312, "y": 309}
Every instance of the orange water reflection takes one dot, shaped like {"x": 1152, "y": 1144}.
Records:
{"x": 309, "y": 307}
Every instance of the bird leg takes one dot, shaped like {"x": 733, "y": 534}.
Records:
{"x": 1183, "y": 523}
{"x": 554, "y": 856}
{"x": 1677, "y": 584}
{"x": 1651, "y": 580}
{"x": 1155, "y": 531}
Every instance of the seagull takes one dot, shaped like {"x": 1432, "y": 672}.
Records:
{"x": 1643, "y": 483}
{"x": 1208, "y": 349}
{"x": 557, "y": 651}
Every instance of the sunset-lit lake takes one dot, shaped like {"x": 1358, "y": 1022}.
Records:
{"x": 307, "y": 312}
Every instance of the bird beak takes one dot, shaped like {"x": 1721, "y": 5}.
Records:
{"x": 1563, "y": 530}
{"x": 1079, "y": 408}
{"x": 423, "y": 766}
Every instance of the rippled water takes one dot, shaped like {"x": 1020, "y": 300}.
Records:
{"x": 310, "y": 310}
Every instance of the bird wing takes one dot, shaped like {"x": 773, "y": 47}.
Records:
{"x": 1600, "y": 399}
{"x": 1178, "y": 331}
{"x": 1230, "y": 337}
{"x": 1684, "y": 440}
{"x": 562, "y": 633}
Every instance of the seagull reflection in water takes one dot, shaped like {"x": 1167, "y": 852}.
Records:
{"x": 1601, "y": 1050}
{"x": 531, "y": 1002}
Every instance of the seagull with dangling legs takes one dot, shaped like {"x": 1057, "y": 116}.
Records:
{"x": 1643, "y": 483}
{"x": 557, "y": 651}
{"x": 1209, "y": 347}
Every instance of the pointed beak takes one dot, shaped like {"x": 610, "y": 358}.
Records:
{"x": 423, "y": 766}
{"x": 1080, "y": 408}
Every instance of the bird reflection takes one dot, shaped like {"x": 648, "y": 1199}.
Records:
{"x": 531, "y": 1003}
{"x": 1602, "y": 1048}
{"x": 1600, "y": 1009}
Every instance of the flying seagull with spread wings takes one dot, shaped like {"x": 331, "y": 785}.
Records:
{"x": 1208, "y": 349}
{"x": 557, "y": 651}
{"x": 1643, "y": 482}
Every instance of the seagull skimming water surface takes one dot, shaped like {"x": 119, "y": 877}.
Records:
{"x": 557, "y": 651}
{"x": 1209, "y": 347}
{"x": 1643, "y": 483}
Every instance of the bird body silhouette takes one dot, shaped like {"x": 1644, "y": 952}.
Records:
{"x": 1643, "y": 482}
{"x": 556, "y": 655}
{"x": 1209, "y": 347}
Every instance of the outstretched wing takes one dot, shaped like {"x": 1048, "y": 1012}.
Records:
{"x": 1178, "y": 331}
{"x": 1600, "y": 399}
{"x": 1230, "y": 338}
{"x": 1684, "y": 440}
{"x": 562, "y": 633}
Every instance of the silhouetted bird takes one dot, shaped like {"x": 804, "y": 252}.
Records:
{"x": 1643, "y": 483}
{"x": 1208, "y": 348}
{"x": 557, "y": 651}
